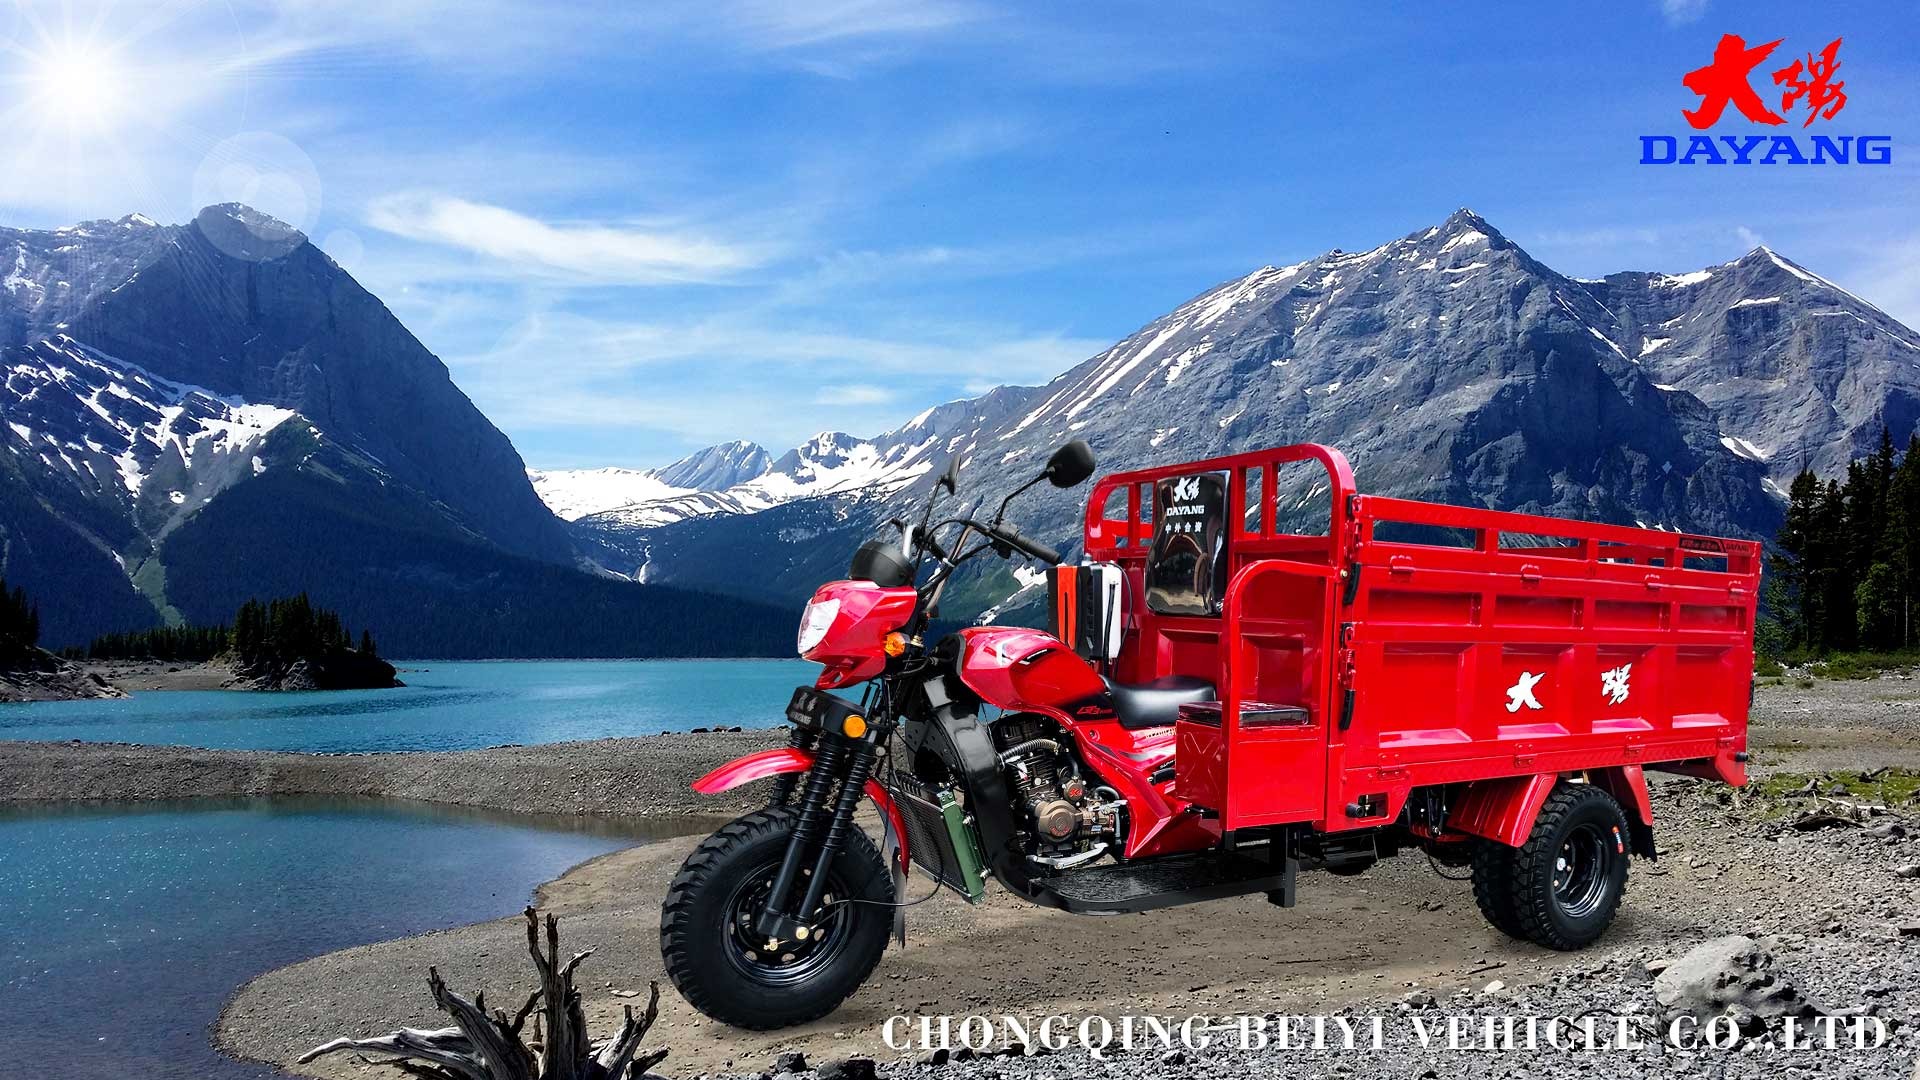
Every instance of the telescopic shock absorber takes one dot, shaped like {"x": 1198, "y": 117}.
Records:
{"x": 859, "y": 765}
{"x": 778, "y": 921}
{"x": 798, "y": 738}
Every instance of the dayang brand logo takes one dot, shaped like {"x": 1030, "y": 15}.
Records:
{"x": 1810, "y": 85}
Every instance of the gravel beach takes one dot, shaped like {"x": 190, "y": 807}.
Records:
{"x": 648, "y": 775}
{"x": 1831, "y": 908}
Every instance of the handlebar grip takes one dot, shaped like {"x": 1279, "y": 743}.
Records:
{"x": 1042, "y": 552}
{"x": 1032, "y": 547}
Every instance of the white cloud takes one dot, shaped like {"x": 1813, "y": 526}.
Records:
{"x": 1748, "y": 238}
{"x": 735, "y": 377}
{"x": 782, "y": 24}
{"x": 1681, "y": 12}
{"x": 600, "y": 253}
{"x": 853, "y": 394}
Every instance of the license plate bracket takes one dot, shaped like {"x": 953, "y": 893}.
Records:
{"x": 811, "y": 707}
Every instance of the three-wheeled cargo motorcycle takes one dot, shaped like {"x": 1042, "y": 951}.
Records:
{"x": 1223, "y": 702}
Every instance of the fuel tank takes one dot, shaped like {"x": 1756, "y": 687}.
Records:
{"x": 1017, "y": 668}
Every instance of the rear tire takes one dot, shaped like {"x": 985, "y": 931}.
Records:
{"x": 1493, "y": 886}
{"x": 1564, "y": 885}
{"x": 720, "y": 971}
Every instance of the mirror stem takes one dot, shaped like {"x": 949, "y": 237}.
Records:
{"x": 1001, "y": 514}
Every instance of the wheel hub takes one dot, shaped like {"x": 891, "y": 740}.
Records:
{"x": 1580, "y": 872}
{"x": 777, "y": 961}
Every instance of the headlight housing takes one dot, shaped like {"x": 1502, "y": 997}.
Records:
{"x": 814, "y": 623}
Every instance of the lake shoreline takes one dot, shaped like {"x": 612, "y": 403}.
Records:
{"x": 641, "y": 775}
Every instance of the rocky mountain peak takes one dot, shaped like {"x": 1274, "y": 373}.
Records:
{"x": 716, "y": 468}
{"x": 243, "y": 232}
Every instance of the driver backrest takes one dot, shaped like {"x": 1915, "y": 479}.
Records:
{"x": 1187, "y": 566}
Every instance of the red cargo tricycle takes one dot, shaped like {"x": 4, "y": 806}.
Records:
{"x": 1223, "y": 704}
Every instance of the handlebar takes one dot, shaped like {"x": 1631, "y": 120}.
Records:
{"x": 1010, "y": 536}
{"x": 1032, "y": 547}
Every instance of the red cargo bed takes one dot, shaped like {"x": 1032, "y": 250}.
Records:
{"x": 1427, "y": 644}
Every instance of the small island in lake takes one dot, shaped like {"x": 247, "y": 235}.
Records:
{"x": 283, "y": 644}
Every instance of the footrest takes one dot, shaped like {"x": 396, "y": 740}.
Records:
{"x": 1167, "y": 882}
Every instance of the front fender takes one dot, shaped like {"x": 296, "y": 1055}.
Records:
{"x": 792, "y": 759}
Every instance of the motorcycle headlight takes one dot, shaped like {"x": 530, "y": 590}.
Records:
{"x": 814, "y": 623}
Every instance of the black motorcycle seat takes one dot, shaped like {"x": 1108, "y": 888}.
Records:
{"x": 1156, "y": 703}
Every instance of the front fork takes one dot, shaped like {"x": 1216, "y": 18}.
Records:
{"x": 821, "y": 822}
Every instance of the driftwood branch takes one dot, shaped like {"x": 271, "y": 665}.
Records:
{"x": 489, "y": 1046}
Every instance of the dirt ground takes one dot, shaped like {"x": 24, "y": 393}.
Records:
{"x": 1395, "y": 928}
{"x": 1399, "y": 928}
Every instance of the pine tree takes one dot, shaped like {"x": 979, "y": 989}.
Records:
{"x": 19, "y": 618}
{"x": 1794, "y": 576}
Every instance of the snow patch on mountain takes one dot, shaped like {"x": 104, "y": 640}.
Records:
{"x": 832, "y": 463}
{"x": 114, "y": 424}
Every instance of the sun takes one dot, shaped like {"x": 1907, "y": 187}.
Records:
{"x": 79, "y": 85}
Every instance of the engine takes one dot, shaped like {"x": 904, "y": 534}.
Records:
{"x": 1067, "y": 819}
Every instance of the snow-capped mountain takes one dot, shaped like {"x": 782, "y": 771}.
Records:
{"x": 1448, "y": 364}
{"x": 199, "y": 414}
{"x": 696, "y": 484}
{"x": 611, "y": 502}
{"x": 575, "y": 493}
{"x": 716, "y": 468}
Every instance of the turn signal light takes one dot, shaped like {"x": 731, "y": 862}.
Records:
{"x": 894, "y": 644}
{"x": 854, "y": 726}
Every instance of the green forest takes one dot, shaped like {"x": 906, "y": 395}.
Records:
{"x": 1845, "y": 572}
{"x": 19, "y": 619}
{"x": 279, "y": 630}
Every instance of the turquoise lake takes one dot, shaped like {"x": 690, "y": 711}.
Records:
{"x": 444, "y": 706}
{"x": 124, "y": 927}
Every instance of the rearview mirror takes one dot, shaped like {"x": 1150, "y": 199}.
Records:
{"x": 951, "y": 478}
{"x": 1070, "y": 464}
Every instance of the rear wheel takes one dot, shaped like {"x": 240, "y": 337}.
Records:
{"x": 1493, "y": 886}
{"x": 1562, "y": 888}
{"x": 723, "y": 969}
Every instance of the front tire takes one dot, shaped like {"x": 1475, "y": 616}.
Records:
{"x": 708, "y": 946}
{"x": 1562, "y": 888}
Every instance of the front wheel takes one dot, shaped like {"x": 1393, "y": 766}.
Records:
{"x": 706, "y": 927}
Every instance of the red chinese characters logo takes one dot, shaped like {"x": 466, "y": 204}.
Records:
{"x": 1726, "y": 82}
{"x": 1820, "y": 88}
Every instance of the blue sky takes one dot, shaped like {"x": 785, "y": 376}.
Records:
{"x": 633, "y": 229}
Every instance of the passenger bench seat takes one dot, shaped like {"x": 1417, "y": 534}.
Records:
{"x": 1156, "y": 703}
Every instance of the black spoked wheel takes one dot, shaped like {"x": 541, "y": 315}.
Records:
{"x": 723, "y": 969}
{"x": 1563, "y": 887}
{"x": 789, "y": 963}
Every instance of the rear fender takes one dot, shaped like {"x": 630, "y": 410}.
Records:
{"x": 1505, "y": 809}
{"x": 791, "y": 759}
{"x": 1628, "y": 786}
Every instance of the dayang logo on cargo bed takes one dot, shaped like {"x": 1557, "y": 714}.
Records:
{"x": 1810, "y": 88}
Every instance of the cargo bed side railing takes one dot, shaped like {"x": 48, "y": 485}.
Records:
{"x": 1591, "y": 550}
